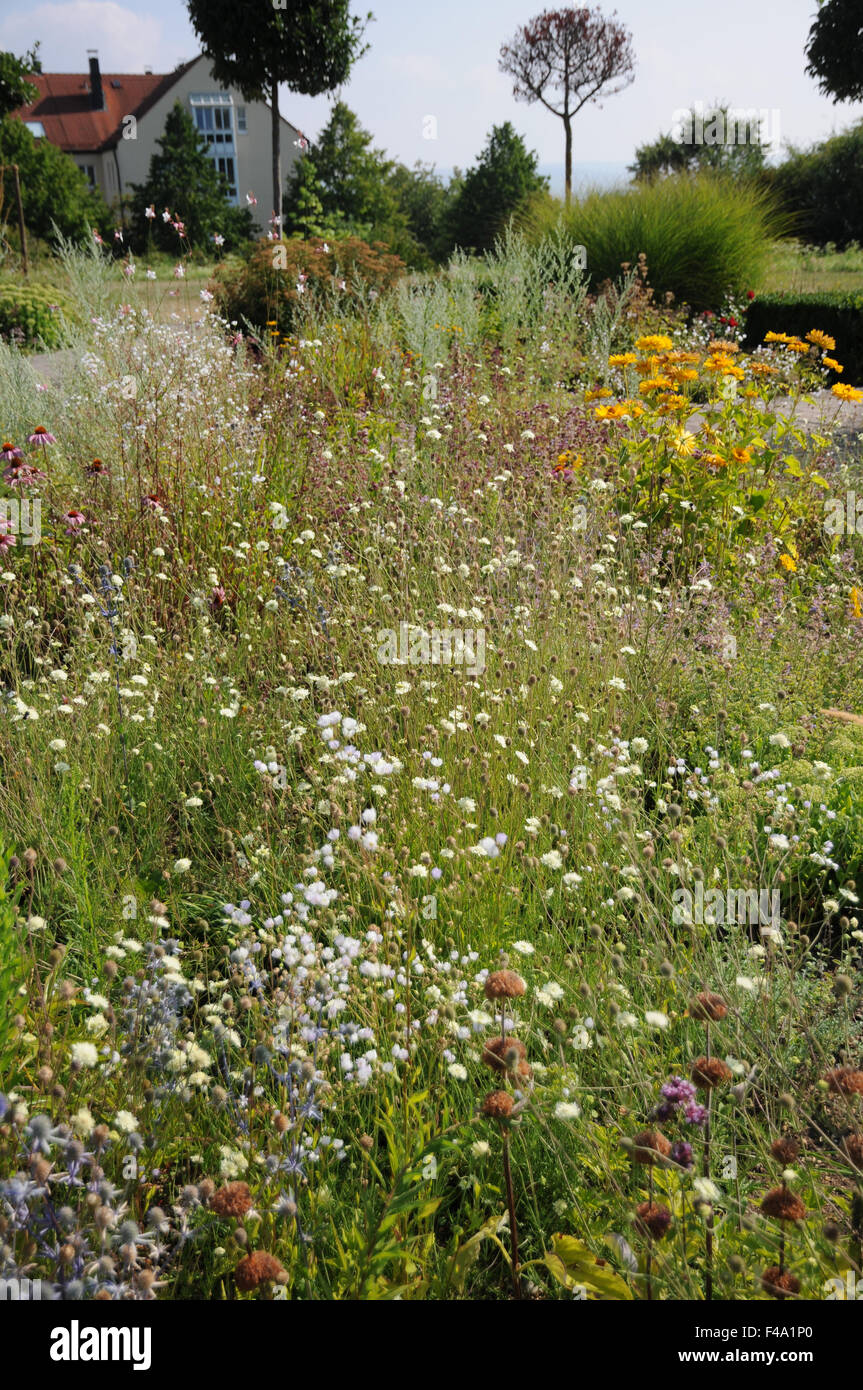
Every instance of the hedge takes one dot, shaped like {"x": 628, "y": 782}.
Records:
{"x": 836, "y": 312}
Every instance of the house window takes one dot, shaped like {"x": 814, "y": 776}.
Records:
{"x": 241, "y": 120}
{"x": 36, "y": 129}
{"x": 213, "y": 113}
{"x": 90, "y": 172}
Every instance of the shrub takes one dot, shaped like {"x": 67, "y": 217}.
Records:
{"x": 835, "y": 312}
{"x": 269, "y": 288}
{"x": 704, "y": 237}
{"x": 820, "y": 189}
{"x": 54, "y": 192}
{"x": 33, "y": 315}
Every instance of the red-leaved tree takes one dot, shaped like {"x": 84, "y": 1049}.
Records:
{"x": 571, "y": 57}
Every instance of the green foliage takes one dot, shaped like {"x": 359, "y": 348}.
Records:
{"x": 670, "y": 154}
{"x": 280, "y": 279}
{"x": 835, "y": 312}
{"x": 32, "y": 314}
{"x": 820, "y": 188}
{"x": 183, "y": 179}
{"x": 834, "y": 50}
{"x": 15, "y": 90}
{"x": 497, "y": 186}
{"x": 704, "y": 236}
{"x": 54, "y": 191}
{"x": 303, "y": 206}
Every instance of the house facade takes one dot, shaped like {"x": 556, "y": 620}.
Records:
{"x": 109, "y": 123}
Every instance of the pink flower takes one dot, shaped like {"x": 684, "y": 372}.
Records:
{"x": 7, "y": 540}
{"x": 41, "y": 436}
{"x": 10, "y": 452}
{"x": 251, "y": 200}
{"x": 74, "y": 521}
{"x": 150, "y": 213}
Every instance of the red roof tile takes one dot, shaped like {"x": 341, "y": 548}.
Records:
{"x": 68, "y": 119}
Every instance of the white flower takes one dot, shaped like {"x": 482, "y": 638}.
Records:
{"x": 182, "y": 866}
{"x": 481, "y": 1149}
{"x": 233, "y": 1162}
{"x": 779, "y": 842}
{"x": 567, "y": 1110}
{"x": 655, "y": 1019}
{"x": 780, "y": 740}
{"x": 457, "y": 1071}
{"x": 125, "y": 1121}
{"x": 524, "y": 948}
{"x": 84, "y": 1054}
{"x": 552, "y": 860}
{"x": 83, "y": 1123}
{"x": 706, "y": 1190}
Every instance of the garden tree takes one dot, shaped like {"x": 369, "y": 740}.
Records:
{"x": 184, "y": 180}
{"x": 500, "y": 183}
{"x": 15, "y": 90}
{"x": 304, "y": 210}
{"x": 354, "y": 178}
{"x": 578, "y": 54}
{"x": 425, "y": 200}
{"x": 54, "y": 191}
{"x": 723, "y": 141}
{"x": 835, "y": 49}
{"x": 309, "y": 45}
{"x": 820, "y": 189}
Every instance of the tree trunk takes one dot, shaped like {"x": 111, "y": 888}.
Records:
{"x": 567, "y": 125}
{"x": 277, "y": 157}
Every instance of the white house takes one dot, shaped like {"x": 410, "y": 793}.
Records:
{"x": 109, "y": 123}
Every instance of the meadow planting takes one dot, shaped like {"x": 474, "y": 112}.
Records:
{"x": 431, "y": 722}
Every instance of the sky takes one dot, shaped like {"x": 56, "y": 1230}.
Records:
{"x": 440, "y": 60}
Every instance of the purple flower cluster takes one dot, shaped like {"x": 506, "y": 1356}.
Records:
{"x": 678, "y": 1094}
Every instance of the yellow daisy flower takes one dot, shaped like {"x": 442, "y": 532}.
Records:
{"x": 654, "y": 342}
{"x": 822, "y": 340}
{"x": 846, "y": 392}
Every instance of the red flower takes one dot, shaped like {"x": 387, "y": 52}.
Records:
{"x": 750, "y": 294}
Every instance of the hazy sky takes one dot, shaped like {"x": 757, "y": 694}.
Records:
{"x": 439, "y": 58}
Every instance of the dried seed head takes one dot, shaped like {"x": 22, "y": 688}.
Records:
{"x": 852, "y": 1145}
{"x": 504, "y": 1054}
{"x": 652, "y": 1219}
{"x": 234, "y": 1199}
{"x": 779, "y": 1283}
{"x": 782, "y": 1204}
{"x": 504, "y": 984}
{"x": 256, "y": 1269}
{"x": 845, "y": 1081}
{"x": 785, "y": 1150}
{"x": 708, "y": 1072}
{"x": 497, "y": 1105}
{"x": 649, "y": 1147}
{"x": 708, "y": 1008}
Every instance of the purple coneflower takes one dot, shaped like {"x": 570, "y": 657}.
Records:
{"x": 10, "y": 452}
{"x": 41, "y": 436}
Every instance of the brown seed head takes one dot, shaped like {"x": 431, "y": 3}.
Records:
{"x": 779, "y": 1283}
{"x": 708, "y": 1008}
{"x": 652, "y": 1219}
{"x": 783, "y": 1205}
{"x": 853, "y": 1147}
{"x": 649, "y": 1147}
{"x": 497, "y": 1105}
{"x": 504, "y": 984}
{"x": 708, "y": 1072}
{"x": 256, "y": 1269}
{"x": 845, "y": 1081}
{"x": 785, "y": 1150}
{"x": 504, "y": 1054}
{"x": 234, "y": 1199}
